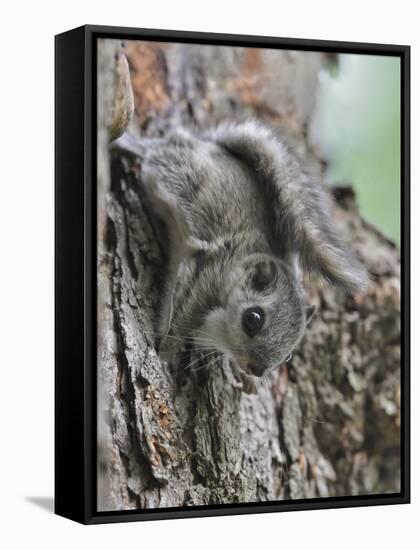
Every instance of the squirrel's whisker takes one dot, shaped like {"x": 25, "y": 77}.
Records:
{"x": 208, "y": 365}
{"x": 179, "y": 338}
{"x": 199, "y": 359}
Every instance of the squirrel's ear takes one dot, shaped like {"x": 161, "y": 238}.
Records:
{"x": 264, "y": 274}
{"x": 302, "y": 218}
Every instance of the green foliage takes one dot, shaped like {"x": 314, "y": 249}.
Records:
{"x": 357, "y": 126}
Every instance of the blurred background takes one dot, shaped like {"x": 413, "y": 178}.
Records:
{"x": 356, "y": 124}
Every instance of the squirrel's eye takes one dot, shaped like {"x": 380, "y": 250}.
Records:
{"x": 288, "y": 358}
{"x": 253, "y": 320}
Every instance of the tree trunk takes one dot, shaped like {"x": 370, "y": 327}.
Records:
{"x": 327, "y": 425}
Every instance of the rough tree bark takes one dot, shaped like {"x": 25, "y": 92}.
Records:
{"x": 329, "y": 424}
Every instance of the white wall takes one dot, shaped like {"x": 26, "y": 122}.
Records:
{"x": 26, "y": 271}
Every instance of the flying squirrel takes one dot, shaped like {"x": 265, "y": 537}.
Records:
{"x": 243, "y": 219}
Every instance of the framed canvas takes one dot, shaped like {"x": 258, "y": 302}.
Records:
{"x": 232, "y": 274}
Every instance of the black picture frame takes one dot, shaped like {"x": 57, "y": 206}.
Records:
{"x": 75, "y": 272}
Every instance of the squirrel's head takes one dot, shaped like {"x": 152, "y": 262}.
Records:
{"x": 262, "y": 317}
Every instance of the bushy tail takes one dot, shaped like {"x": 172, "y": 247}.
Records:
{"x": 300, "y": 204}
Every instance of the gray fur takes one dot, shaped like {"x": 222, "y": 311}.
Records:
{"x": 236, "y": 201}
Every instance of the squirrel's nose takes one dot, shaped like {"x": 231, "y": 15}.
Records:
{"x": 255, "y": 369}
